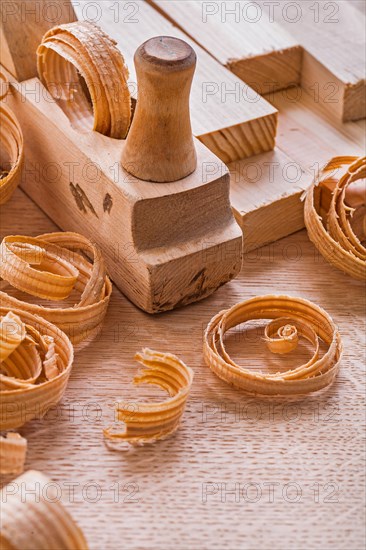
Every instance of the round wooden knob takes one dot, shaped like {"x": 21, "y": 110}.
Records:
{"x": 159, "y": 145}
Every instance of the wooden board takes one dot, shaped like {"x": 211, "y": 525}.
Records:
{"x": 227, "y": 115}
{"x": 333, "y": 36}
{"x": 40, "y": 16}
{"x": 278, "y": 44}
{"x": 156, "y": 498}
{"x": 310, "y": 136}
{"x": 255, "y": 49}
{"x": 266, "y": 190}
{"x": 266, "y": 204}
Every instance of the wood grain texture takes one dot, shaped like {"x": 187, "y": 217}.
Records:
{"x": 266, "y": 189}
{"x": 227, "y": 115}
{"x": 266, "y": 203}
{"x": 22, "y": 26}
{"x": 255, "y": 49}
{"x": 273, "y": 45}
{"x": 315, "y": 444}
{"x": 163, "y": 247}
{"x": 310, "y": 135}
{"x": 333, "y": 37}
{"x": 159, "y": 146}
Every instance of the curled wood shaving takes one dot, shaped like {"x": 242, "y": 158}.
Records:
{"x": 293, "y": 318}
{"x": 33, "y": 517}
{"x": 11, "y": 140}
{"x": 34, "y": 376}
{"x": 83, "y": 49}
{"x": 51, "y": 267}
{"x": 13, "y": 450}
{"x": 54, "y": 277}
{"x": 50, "y": 359}
{"x": 328, "y": 217}
{"x": 20, "y": 365}
{"x": 12, "y": 333}
{"x": 149, "y": 422}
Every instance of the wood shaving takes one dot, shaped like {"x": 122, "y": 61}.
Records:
{"x": 81, "y": 48}
{"x": 13, "y": 450}
{"x": 328, "y": 218}
{"x": 37, "y": 521}
{"x": 51, "y": 267}
{"x": 149, "y": 422}
{"x": 12, "y": 334}
{"x": 34, "y": 376}
{"x": 11, "y": 140}
{"x": 293, "y": 318}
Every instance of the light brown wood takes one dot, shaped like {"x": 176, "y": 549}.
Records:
{"x": 267, "y": 203}
{"x": 241, "y": 472}
{"x": 265, "y": 193}
{"x": 333, "y": 37}
{"x": 23, "y": 23}
{"x": 266, "y": 189}
{"x": 273, "y": 45}
{"x": 164, "y": 245}
{"x": 241, "y": 38}
{"x": 230, "y": 118}
{"x": 159, "y": 146}
{"x": 310, "y": 135}
{"x": 262, "y": 203}
{"x": 259, "y": 206}
{"x": 161, "y": 497}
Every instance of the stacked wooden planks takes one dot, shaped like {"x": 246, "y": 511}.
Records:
{"x": 333, "y": 37}
{"x": 266, "y": 190}
{"x": 257, "y": 50}
{"x": 262, "y": 42}
{"x": 271, "y": 46}
{"x": 233, "y": 120}
{"x": 228, "y": 116}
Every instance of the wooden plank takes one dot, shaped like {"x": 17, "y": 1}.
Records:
{"x": 242, "y": 38}
{"x": 22, "y": 26}
{"x": 262, "y": 43}
{"x": 266, "y": 189}
{"x": 227, "y": 115}
{"x": 155, "y": 497}
{"x": 310, "y": 136}
{"x": 333, "y": 36}
{"x": 266, "y": 202}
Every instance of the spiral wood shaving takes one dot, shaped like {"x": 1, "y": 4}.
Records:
{"x": 50, "y": 267}
{"x": 33, "y": 377}
{"x": 11, "y": 140}
{"x": 293, "y": 318}
{"x": 83, "y": 49}
{"x": 329, "y": 223}
{"x": 148, "y": 422}
{"x": 33, "y": 518}
{"x": 13, "y": 450}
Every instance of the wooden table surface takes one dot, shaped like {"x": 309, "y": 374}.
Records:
{"x": 241, "y": 472}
